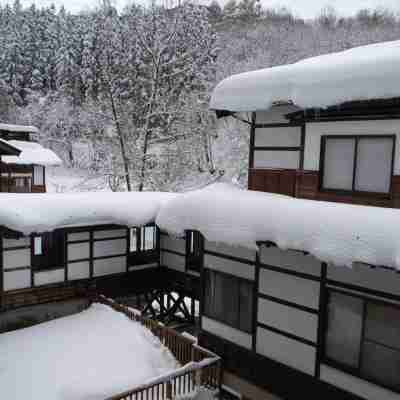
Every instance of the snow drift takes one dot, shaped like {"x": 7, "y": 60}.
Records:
{"x": 90, "y": 355}
{"x": 335, "y": 233}
{"x": 29, "y": 213}
{"x": 31, "y": 153}
{"x": 360, "y": 73}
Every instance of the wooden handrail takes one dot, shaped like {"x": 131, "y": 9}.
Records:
{"x": 200, "y": 367}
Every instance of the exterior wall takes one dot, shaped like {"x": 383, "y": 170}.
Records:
{"x": 173, "y": 252}
{"x": 91, "y": 253}
{"x": 285, "y": 156}
{"x": 289, "y": 326}
{"x": 314, "y": 131}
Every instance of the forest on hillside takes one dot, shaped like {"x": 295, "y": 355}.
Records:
{"x": 124, "y": 94}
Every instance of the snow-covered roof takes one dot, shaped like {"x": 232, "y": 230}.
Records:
{"x": 42, "y": 212}
{"x": 65, "y": 358}
{"x": 19, "y": 128}
{"x": 335, "y": 233}
{"x": 6, "y": 148}
{"x": 361, "y": 73}
{"x": 31, "y": 153}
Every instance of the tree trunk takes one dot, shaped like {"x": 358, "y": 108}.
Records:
{"x": 121, "y": 142}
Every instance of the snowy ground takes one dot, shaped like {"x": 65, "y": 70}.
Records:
{"x": 90, "y": 355}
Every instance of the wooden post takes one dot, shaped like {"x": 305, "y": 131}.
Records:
{"x": 169, "y": 391}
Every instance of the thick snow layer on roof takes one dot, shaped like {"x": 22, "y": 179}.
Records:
{"x": 91, "y": 355}
{"x": 42, "y": 212}
{"x": 19, "y": 128}
{"x": 360, "y": 73}
{"x": 335, "y": 233}
{"x": 31, "y": 153}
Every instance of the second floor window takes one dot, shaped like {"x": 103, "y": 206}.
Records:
{"x": 357, "y": 163}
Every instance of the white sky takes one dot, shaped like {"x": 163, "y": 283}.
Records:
{"x": 302, "y": 8}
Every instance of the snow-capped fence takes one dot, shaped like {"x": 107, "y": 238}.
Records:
{"x": 200, "y": 368}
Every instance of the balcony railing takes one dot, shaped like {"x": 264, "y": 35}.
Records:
{"x": 200, "y": 367}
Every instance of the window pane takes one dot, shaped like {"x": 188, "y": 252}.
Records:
{"x": 246, "y": 306}
{"x": 382, "y": 325}
{"x": 37, "y": 244}
{"x": 226, "y": 299}
{"x": 339, "y": 163}
{"x": 344, "y": 329}
{"x": 374, "y": 164}
{"x": 381, "y": 363}
{"x": 38, "y": 175}
{"x": 133, "y": 240}
{"x": 148, "y": 241}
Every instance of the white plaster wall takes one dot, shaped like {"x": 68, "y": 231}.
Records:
{"x": 230, "y": 267}
{"x": 288, "y": 319}
{"x": 109, "y": 233}
{"x": 288, "y": 287}
{"x": 24, "y": 241}
{"x": 289, "y": 136}
{"x": 78, "y": 251}
{"x": 78, "y": 270}
{"x": 234, "y": 251}
{"x": 314, "y": 131}
{"x": 291, "y": 260}
{"x": 224, "y": 331}
{"x": 78, "y": 236}
{"x": 363, "y": 275}
{"x": 355, "y": 385}
{"x": 17, "y": 279}
{"x": 16, "y": 258}
{"x": 285, "y": 350}
{"x": 173, "y": 243}
{"x": 109, "y": 247}
{"x": 275, "y": 114}
{"x": 109, "y": 266}
{"x": 46, "y": 277}
{"x": 173, "y": 261}
{"x": 276, "y": 159}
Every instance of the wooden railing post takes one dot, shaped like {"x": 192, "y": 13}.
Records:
{"x": 169, "y": 391}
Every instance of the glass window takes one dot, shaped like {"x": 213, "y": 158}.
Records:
{"x": 148, "y": 237}
{"x": 357, "y": 163}
{"x": 194, "y": 253}
{"x": 339, "y": 163}
{"x": 38, "y": 175}
{"x": 343, "y": 337}
{"x": 133, "y": 243}
{"x": 363, "y": 335}
{"x": 374, "y": 165}
{"x": 49, "y": 250}
{"x": 37, "y": 246}
{"x": 228, "y": 299}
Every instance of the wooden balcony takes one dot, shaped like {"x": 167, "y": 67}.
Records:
{"x": 200, "y": 368}
{"x": 306, "y": 185}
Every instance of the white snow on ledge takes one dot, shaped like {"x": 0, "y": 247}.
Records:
{"x": 18, "y": 128}
{"x": 31, "y": 153}
{"x": 42, "y": 212}
{"x": 360, "y": 73}
{"x": 335, "y": 233}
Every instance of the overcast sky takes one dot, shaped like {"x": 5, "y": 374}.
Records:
{"x": 302, "y": 8}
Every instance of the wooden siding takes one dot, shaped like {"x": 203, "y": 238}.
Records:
{"x": 306, "y": 185}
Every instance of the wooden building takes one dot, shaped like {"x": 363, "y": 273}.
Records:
{"x": 24, "y": 172}
{"x": 300, "y": 327}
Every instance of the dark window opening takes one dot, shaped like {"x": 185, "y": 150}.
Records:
{"x": 194, "y": 251}
{"x": 363, "y": 338}
{"x": 229, "y": 299}
{"x": 48, "y": 250}
{"x": 143, "y": 245}
{"x": 357, "y": 164}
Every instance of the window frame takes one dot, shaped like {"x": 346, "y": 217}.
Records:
{"x": 142, "y": 255}
{"x": 46, "y": 260}
{"x": 194, "y": 251}
{"x": 353, "y": 191}
{"x": 238, "y": 282}
{"x": 356, "y": 372}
